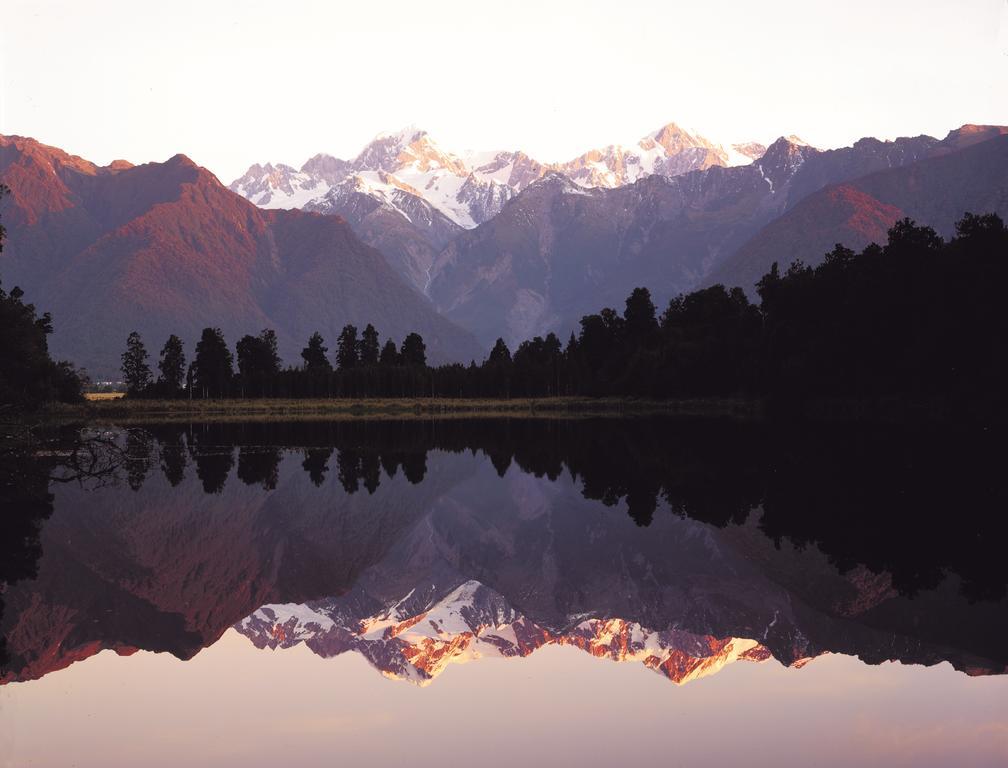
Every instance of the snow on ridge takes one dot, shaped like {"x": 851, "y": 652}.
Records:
{"x": 419, "y": 635}
{"x": 405, "y": 135}
{"x": 470, "y": 187}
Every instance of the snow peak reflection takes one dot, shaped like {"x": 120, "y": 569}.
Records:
{"x": 607, "y": 534}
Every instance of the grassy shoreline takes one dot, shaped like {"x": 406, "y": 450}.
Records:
{"x": 123, "y": 410}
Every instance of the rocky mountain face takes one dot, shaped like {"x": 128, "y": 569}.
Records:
{"x": 470, "y": 189}
{"x": 538, "y": 245}
{"x": 557, "y": 250}
{"x": 165, "y": 248}
{"x": 437, "y": 194}
{"x": 966, "y": 172}
{"x": 405, "y": 228}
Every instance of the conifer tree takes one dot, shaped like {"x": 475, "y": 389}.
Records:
{"x": 346, "y": 348}
{"x": 389, "y": 354}
{"x": 413, "y": 351}
{"x": 136, "y": 372}
{"x": 214, "y": 364}
{"x": 172, "y": 366}
{"x": 369, "y": 349}
{"x": 314, "y": 355}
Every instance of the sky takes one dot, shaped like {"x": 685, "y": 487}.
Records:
{"x": 235, "y": 705}
{"x": 233, "y": 83}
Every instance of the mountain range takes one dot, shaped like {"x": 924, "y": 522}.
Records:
{"x": 166, "y": 248}
{"x": 463, "y": 248}
{"x": 470, "y": 187}
{"x": 416, "y": 638}
{"x": 468, "y": 558}
{"x": 673, "y": 212}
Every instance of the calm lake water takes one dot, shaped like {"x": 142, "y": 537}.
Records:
{"x": 544, "y": 592}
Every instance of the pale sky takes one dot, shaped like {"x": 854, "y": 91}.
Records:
{"x": 232, "y": 83}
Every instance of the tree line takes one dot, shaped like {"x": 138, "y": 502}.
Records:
{"x": 363, "y": 367}
{"x": 918, "y": 316}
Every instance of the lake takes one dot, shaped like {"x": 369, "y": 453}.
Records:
{"x": 547, "y": 591}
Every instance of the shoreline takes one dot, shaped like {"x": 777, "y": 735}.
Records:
{"x": 121, "y": 409}
{"x": 890, "y": 411}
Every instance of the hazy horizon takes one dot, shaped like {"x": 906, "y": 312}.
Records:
{"x": 231, "y": 85}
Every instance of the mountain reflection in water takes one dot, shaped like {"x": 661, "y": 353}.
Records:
{"x": 679, "y": 545}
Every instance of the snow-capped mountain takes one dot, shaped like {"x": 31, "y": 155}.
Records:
{"x": 418, "y": 636}
{"x": 471, "y": 188}
{"x": 407, "y": 229}
{"x": 279, "y": 186}
{"x": 669, "y": 151}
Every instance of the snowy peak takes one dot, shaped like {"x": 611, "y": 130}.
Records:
{"x": 695, "y": 152}
{"x": 326, "y": 167}
{"x": 409, "y": 148}
{"x": 669, "y": 151}
{"x": 515, "y": 170}
{"x": 361, "y": 193}
{"x": 752, "y": 150}
{"x": 787, "y": 149}
{"x": 278, "y": 186}
{"x": 416, "y": 637}
{"x": 557, "y": 183}
{"x": 471, "y": 188}
{"x": 673, "y": 139}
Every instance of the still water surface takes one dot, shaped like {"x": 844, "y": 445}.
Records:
{"x": 501, "y": 591}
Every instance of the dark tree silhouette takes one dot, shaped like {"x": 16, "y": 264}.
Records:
{"x": 413, "y": 351}
{"x": 916, "y": 322}
{"x": 314, "y": 355}
{"x": 258, "y": 363}
{"x": 640, "y": 322}
{"x": 369, "y": 349}
{"x": 136, "y": 373}
{"x": 498, "y": 369}
{"x": 172, "y": 453}
{"x": 213, "y": 367}
{"x": 709, "y": 339}
{"x": 316, "y": 464}
{"x": 389, "y": 354}
{"x": 500, "y": 354}
{"x": 259, "y": 466}
{"x": 172, "y": 365}
{"x": 346, "y": 348}
{"x": 28, "y": 376}
{"x": 213, "y": 465}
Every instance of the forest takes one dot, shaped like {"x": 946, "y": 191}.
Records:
{"x": 918, "y": 317}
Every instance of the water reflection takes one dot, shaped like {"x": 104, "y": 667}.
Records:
{"x": 682, "y": 546}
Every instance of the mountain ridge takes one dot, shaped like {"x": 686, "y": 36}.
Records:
{"x": 470, "y": 187}
{"x": 547, "y": 260}
{"x": 473, "y": 622}
{"x": 165, "y": 248}
{"x": 936, "y": 190}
